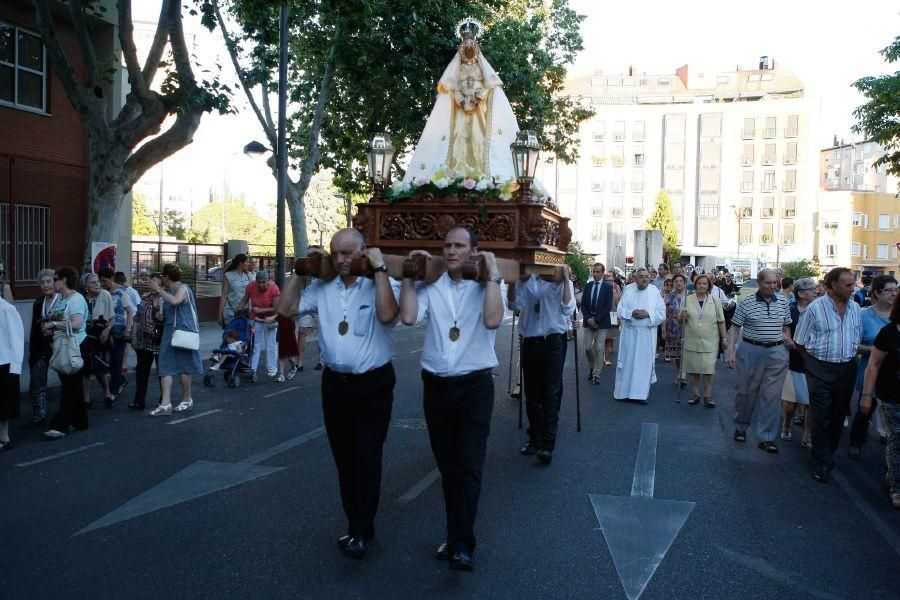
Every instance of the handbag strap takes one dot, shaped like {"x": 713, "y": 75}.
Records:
{"x": 190, "y": 301}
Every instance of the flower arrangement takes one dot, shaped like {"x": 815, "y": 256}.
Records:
{"x": 470, "y": 182}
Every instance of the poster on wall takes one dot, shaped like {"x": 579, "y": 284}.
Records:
{"x": 103, "y": 255}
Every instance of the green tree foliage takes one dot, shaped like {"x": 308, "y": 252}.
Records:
{"x": 801, "y": 268}
{"x": 141, "y": 224}
{"x": 663, "y": 218}
{"x": 241, "y": 221}
{"x": 325, "y": 213}
{"x": 579, "y": 262}
{"x": 879, "y": 118}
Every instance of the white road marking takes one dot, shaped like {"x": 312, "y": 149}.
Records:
{"x": 197, "y": 416}
{"x": 420, "y": 487}
{"x": 60, "y": 454}
{"x": 284, "y": 391}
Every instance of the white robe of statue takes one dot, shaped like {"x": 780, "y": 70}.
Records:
{"x": 635, "y": 366}
{"x": 470, "y": 104}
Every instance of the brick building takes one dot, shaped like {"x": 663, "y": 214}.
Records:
{"x": 43, "y": 155}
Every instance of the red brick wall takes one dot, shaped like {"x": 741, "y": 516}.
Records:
{"x": 43, "y": 159}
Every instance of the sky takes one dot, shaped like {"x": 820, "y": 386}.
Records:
{"x": 827, "y": 44}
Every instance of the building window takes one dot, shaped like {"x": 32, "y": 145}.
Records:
{"x": 882, "y": 251}
{"x": 597, "y": 231}
{"x": 787, "y": 233}
{"x": 768, "y": 184}
{"x": 599, "y": 131}
{"x": 830, "y": 251}
{"x": 747, "y": 156}
{"x": 638, "y": 131}
{"x": 867, "y": 149}
{"x": 793, "y": 126}
{"x": 637, "y": 208}
{"x": 598, "y": 160}
{"x": 790, "y": 156}
{"x": 619, "y": 131}
{"x": 856, "y": 219}
{"x": 597, "y": 186}
{"x": 637, "y": 181}
{"x": 746, "y": 207}
{"x": 597, "y": 210}
{"x": 709, "y": 211}
{"x": 855, "y": 249}
{"x": 32, "y": 240}
{"x": 749, "y": 128}
{"x": 884, "y": 221}
{"x": 790, "y": 180}
{"x": 617, "y": 158}
{"x": 638, "y": 156}
{"x": 789, "y": 207}
{"x": 618, "y": 183}
{"x": 768, "y": 207}
{"x": 768, "y": 233}
{"x": 746, "y": 233}
{"x": 747, "y": 181}
{"x": 23, "y": 69}
{"x": 771, "y": 126}
{"x": 768, "y": 157}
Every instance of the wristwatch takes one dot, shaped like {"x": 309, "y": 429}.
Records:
{"x": 495, "y": 279}
{"x": 382, "y": 269}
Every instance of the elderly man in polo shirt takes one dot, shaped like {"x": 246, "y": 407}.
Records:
{"x": 762, "y": 359}
{"x": 827, "y": 335}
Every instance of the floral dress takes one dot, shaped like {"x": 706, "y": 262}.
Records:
{"x": 674, "y": 329}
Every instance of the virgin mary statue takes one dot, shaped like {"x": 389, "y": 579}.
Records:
{"x": 472, "y": 123}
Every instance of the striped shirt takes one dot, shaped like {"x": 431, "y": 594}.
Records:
{"x": 826, "y": 334}
{"x": 762, "y": 321}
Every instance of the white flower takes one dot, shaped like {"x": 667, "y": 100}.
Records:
{"x": 423, "y": 181}
{"x": 482, "y": 185}
{"x": 441, "y": 183}
{"x": 400, "y": 187}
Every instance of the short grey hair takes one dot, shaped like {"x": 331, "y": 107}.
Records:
{"x": 768, "y": 271}
{"x": 82, "y": 283}
{"x": 803, "y": 284}
{"x": 639, "y": 269}
{"x": 262, "y": 275}
{"x": 45, "y": 273}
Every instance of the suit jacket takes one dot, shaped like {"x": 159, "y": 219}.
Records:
{"x": 599, "y": 311}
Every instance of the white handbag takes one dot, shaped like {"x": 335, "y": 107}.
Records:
{"x": 66, "y": 358}
{"x": 186, "y": 340}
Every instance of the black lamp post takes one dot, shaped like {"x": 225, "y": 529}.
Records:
{"x": 379, "y": 155}
{"x": 525, "y": 151}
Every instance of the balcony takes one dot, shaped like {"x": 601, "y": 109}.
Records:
{"x": 767, "y": 213}
{"x": 638, "y": 160}
{"x": 615, "y": 212}
{"x": 747, "y": 187}
{"x": 618, "y": 187}
{"x": 790, "y": 159}
{"x": 597, "y": 211}
{"x": 769, "y": 133}
{"x": 637, "y": 186}
{"x": 789, "y": 186}
{"x": 746, "y": 161}
{"x": 748, "y": 134}
{"x": 791, "y": 132}
{"x": 617, "y": 161}
{"x": 768, "y": 160}
{"x": 765, "y": 238}
{"x": 598, "y": 187}
{"x": 789, "y": 213}
{"x": 637, "y": 211}
{"x": 767, "y": 187}
{"x": 747, "y": 213}
{"x": 787, "y": 241}
{"x": 637, "y": 136}
{"x": 619, "y": 136}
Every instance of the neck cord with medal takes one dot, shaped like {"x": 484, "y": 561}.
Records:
{"x": 344, "y": 326}
{"x": 454, "y": 331}
{"x": 46, "y": 310}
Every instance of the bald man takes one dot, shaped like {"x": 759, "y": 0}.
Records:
{"x": 356, "y": 319}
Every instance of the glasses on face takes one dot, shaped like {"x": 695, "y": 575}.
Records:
{"x": 892, "y": 290}
{"x": 2, "y": 273}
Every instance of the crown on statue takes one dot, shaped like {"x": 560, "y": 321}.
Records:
{"x": 469, "y": 28}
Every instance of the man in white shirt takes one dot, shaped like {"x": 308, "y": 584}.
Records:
{"x": 546, "y": 317}
{"x": 356, "y": 319}
{"x": 463, "y": 317}
{"x": 640, "y": 312}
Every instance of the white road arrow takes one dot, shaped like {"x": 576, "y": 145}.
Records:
{"x": 640, "y": 529}
{"x": 199, "y": 479}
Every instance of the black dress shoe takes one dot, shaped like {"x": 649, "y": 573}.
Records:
{"x": 443, "y": 552}
{"x": 35, "y": 423}
{"x": 343, "y": 540}
{"x": 136, "y": 406}
{"x": 821, "y": 475}
{"x": 355, "y": 548}
{"x": 590, "y": 374}
{"x": 545, "y": 456}
{"x": 461, "y": 561}
{"x": 528, "y": 449}
{"x": 7, "y": 445}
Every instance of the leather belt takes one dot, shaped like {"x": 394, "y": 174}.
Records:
{"x": 544, "y": 338}
{"x": 763, "y": 344}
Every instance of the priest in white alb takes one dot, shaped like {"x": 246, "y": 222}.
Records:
{"x": 641, "y": 310}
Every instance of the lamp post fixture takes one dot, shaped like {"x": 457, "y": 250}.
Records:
{"x": 379, "y": 155}
{"x": 525, "y": 151}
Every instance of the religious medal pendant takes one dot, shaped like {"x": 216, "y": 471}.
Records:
{"x": 343, "y": 327}
{"x": 454, "y": 332}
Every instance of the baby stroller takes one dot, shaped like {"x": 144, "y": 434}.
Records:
{"x": 232, "y": 357}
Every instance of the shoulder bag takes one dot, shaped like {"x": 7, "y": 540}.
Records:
{"x": 186, "y": 340}
{"x": 66, "y": 358}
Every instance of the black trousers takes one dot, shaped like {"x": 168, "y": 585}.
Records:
{"x": 830, "y": 389}
{"x": 72, "y": 409}
{"x": 357, "y": 411}
{"x": 542, "y": 362}
{"x": 458, "y": 412}
{"x": 145, "y": 359}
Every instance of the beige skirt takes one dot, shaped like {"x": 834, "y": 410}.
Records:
{"x": 702, "y": 363}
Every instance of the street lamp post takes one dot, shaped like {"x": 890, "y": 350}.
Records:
{"x": 525, "y": 151}
{"x": 379, "y": 155}
{"x": 281, "y": 154}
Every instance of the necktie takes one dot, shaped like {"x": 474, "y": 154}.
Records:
{"x": 596, "y": 293}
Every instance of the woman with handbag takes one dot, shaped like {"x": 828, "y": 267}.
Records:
{"x": 703, "y": 319}
{"x": 148, "y": 329}
{"x": 178, "y": 351}
{"x": 100, "y": 320}
{"x": 40, "y": 346}
{"x": 67, "y": 324}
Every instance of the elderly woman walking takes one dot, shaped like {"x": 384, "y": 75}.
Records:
{"x": 40, "y": 347}
{"x": 795, "y": 393}
{"x": 148, "y": 329}
{"x": 672, "y": 330}
{"x": 704, "y": 334}
{"x": 100, "y": 320}
{"x": 179, "y": 312}
{"x": 882, "y": 293}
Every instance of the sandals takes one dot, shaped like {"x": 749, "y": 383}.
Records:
{"x": 740, "y": 436}
{"x": 161, "y": 411}
{"x": 786, "y": 435}
{"x": 806, "y": 445}
{"x": 708, "y": 402}
{"x": 799, "y": 419}
{"x": 695, "y": 399}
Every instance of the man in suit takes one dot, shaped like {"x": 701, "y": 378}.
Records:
{"x": 596, "y": 304}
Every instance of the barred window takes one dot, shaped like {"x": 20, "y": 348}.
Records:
{"x": 32, "y": 240}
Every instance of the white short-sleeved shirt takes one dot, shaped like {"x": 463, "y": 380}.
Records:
{"x": 368, "y": 343}
{"x": 447, "y": 304}
{"x": 553, "y": 316}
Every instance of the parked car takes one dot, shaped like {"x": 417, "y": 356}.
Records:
{"x": 214, "y": 274}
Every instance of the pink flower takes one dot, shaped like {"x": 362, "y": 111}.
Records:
{"x": 423, "y": 181}
{"x": 470, "y": 184}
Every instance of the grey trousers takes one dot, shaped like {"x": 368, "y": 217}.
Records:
{"x": 760, "y": 374}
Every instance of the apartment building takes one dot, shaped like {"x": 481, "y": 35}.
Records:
{"x": 730, "y": 147}
{"x": 43, "y": 155}
{"x": 859, "y": 213}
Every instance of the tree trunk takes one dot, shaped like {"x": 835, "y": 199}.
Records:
{"x": 294, "y": 201}
{"x": 105, "y": 194}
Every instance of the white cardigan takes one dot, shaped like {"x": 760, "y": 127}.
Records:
{"x": 12, "y": 340}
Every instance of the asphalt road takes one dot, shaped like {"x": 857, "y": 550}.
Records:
{"x": 257, "y": 516}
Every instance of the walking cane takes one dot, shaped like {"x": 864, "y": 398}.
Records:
{"x": 680, "y": 367}
{"x": 521, "y": 383}
{"x": 577, "y": 376}
{"x": 512, "y": 341}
